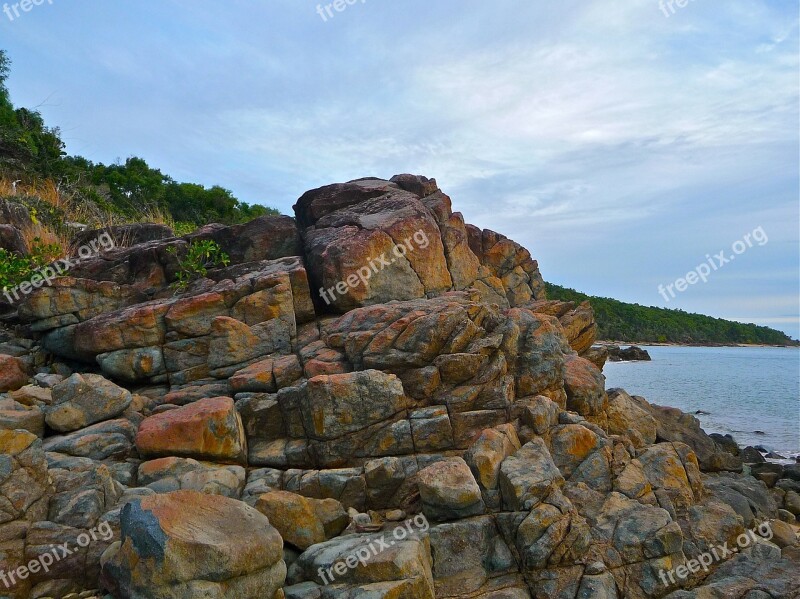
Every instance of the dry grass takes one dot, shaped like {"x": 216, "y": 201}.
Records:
{"x": 77, "y": 211}
{"x": 46, "y": 190}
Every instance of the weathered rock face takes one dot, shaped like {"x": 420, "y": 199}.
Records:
{"x": 430, "y": 380}
{"x": 25, "y": 492}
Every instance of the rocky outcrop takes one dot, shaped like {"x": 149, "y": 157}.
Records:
{"x": 374, "y": 399}
{"x": 627, "y": 354}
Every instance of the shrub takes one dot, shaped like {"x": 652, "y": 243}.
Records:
{"x": 16, "y": 269}
{"x": 200, "y": 256}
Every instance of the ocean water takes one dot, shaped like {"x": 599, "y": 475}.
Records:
{"x": 743, "y": 389}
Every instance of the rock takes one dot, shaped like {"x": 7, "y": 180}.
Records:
{"x": 25, "y": 492}
{"x": 787, "y": 516}
{"x": 750, "y": 455}
{"x": 110, "y": 439}
{"x": 124, "y": 235}
{"x": 11, "y": 239}
{"x": 165, "y": 475}
{"x": 585, "y": 387}
{"x": 301, "y": 521}
{"x": 24, "y": 482}
{"x": 673, "y": 467}
{"x": 726, "y": 443}
{"x": 792, "y": 502}
{"x": 468, "y": 554}
{"x": 580, "y": 328}
{"x": 628, "y": 354}
{"x": 540, "y": 413}
{"x": 597, "y": 355}
{"x": 339, "y": 404}
{"x": 82, "y": 400}
{"x": 15, "y": 214}
{"x": 187, "y": 544}
{"x": 783, "y": 534}
{"x": 12, "y": 374}
{"x": 528, "y": 476}
{"x": 674, "y": 425}
{"x": 47, "y": 381}
{"x": 16, "y": 416}
{"x": 449, "y": 491}
{"x": 792, "y": 472}
{"x": 363, "y": 565}
{"x": 747, "y": 496}
{"x": 625, "y": 417}
{"x": 488, "y": 452}
{"x": 207, "y": 429}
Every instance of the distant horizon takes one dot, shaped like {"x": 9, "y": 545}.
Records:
{"x": 622, "y": 145}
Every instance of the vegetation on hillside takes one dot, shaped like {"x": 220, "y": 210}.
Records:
{"x": 36, "y": 171}
{"x": 619, "y": 321}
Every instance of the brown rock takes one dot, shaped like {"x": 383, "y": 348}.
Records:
{"x": 188, "y": 544}
{"x": 12, "y": 374}
{"x": 207, "y": 429}
{"x": 301, "y": 521}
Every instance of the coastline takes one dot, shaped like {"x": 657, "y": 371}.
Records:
{"x": 674, "y": 344}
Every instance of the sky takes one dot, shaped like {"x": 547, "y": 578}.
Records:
{"x": 625, "y": 144}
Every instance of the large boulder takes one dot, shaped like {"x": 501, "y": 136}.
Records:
{"x": 188, "y": 544}
{"x": 209, "y": 429}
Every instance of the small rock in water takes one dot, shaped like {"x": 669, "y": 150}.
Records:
{"x": 702, "y": 413}
{"x": 775, "y": 456}
{"x": 759, "y": 433}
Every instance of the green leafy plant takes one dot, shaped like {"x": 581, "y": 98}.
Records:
{"x": 16, "y": 269}
{"x": 200, "y": 256}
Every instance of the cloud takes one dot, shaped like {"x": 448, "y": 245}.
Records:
{"x": 619, "y": 145}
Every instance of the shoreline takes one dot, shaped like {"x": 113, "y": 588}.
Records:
{"x": 674, "y": 344}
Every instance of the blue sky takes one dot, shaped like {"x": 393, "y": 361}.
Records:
{"x": 620, "y": 145}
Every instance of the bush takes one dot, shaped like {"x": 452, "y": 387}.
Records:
{"x": 200, "y": 256}
{"x": 16, "y": 269}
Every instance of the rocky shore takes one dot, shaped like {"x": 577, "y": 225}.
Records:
{"x": 372, "y": 400}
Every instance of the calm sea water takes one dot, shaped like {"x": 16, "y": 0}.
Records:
{"x": 743, "y": 389}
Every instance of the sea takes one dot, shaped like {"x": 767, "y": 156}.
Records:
{"x": 751, "y": 393}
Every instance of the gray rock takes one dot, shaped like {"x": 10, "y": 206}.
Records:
{"x": 82, "y": 400}
{"x": 528, "y": 476}
{"x": 449, "y": 491}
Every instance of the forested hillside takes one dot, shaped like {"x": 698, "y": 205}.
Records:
{"x": 619, "y": 321}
